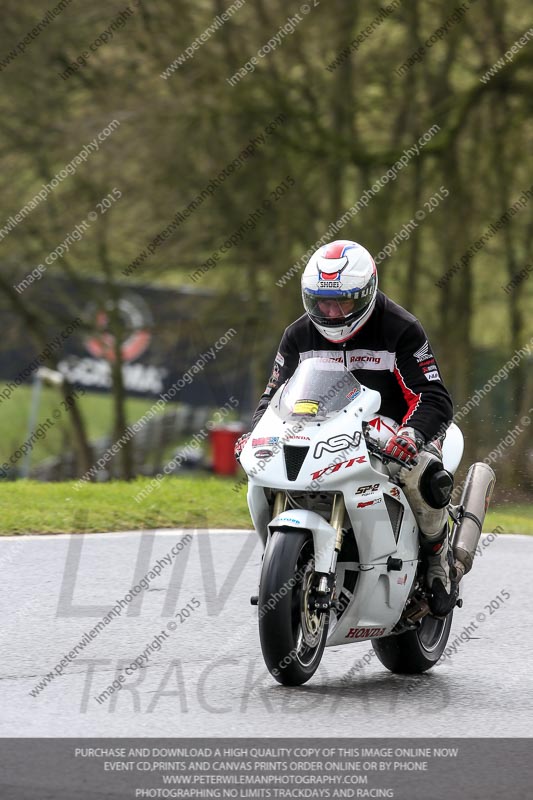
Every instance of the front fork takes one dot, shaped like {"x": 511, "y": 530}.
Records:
{"x": 322, "y": 599}
{"x": 280, "y": 504}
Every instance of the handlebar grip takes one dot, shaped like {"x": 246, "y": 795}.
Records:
{"x": 376, "y": 450}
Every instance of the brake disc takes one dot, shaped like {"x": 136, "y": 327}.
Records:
{"x": 311, "y": 622}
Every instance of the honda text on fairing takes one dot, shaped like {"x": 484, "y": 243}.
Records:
{"x": 342, "y": 559}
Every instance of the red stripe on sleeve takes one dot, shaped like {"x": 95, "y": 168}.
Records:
{"x": 410, "y": 397}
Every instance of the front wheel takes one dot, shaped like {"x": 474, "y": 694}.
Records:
{"x": 292, "y": 634}
{"x": 415, "y": 651}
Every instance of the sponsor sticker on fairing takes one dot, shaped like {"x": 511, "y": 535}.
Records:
{"x": 364, "y": 633}
{"x": 378, "y": 424}
{"x": 369, "y": 489}
{"x": 354, "y": 393}
{"x": 336, "y": 467}
{"x": 342, "y": 441}
{"x": 265, "y": 441}
{"x": 263, "y": 454}
{"x": 306, "y": 407}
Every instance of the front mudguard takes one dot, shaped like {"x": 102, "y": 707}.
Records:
{"x": 324, "y": 535}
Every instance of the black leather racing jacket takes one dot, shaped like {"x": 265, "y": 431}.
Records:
{"x": 390, "y": 353}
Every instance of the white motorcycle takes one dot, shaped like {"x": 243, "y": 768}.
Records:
{"x": 341, "y": 561}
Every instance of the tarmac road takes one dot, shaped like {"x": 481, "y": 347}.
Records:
{"x": 204, "y": 674}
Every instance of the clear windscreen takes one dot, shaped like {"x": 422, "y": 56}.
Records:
{"x": 319, "y": 389}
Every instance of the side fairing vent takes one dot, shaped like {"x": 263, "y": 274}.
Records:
{"x": 294, "y": 458}
{"x": 395, "y": 512}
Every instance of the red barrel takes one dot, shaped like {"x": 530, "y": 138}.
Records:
{"x": 223, "y": 441}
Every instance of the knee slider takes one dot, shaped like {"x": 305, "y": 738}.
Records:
{"x": 436, "y": 485}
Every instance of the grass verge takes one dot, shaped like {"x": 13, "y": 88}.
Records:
{"x": 206, "y": 502}
{"x": 512, "y": 518}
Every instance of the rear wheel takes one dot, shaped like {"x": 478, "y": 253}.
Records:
{"x": 292, "y": 634}
{"x": 415, "y": 651}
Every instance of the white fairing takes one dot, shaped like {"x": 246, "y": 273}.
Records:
{"x": 452, "y": 448}
{"x": 337, "y": 460}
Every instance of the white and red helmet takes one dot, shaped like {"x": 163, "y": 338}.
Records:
{"x": 339, "y": 288}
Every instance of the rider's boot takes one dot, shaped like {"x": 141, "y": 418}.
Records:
{"x": 441, "y": 575}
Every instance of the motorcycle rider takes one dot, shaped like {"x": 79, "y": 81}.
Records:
{"x": 385, "y": 347}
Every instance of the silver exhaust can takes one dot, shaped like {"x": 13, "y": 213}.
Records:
{"x": 474, "y": 503}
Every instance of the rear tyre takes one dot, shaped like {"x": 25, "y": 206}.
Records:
{"x": 292, "y": 635}
{"x": 415, "y": 651}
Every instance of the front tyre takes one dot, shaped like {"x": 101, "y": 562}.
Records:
{"x": 292, "y": 634}
{"x": 415, "y": 651}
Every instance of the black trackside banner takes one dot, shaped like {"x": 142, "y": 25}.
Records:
{"x": 169, "y": 338}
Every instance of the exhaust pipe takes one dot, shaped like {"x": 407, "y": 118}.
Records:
{"x": 474, "y": 503}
